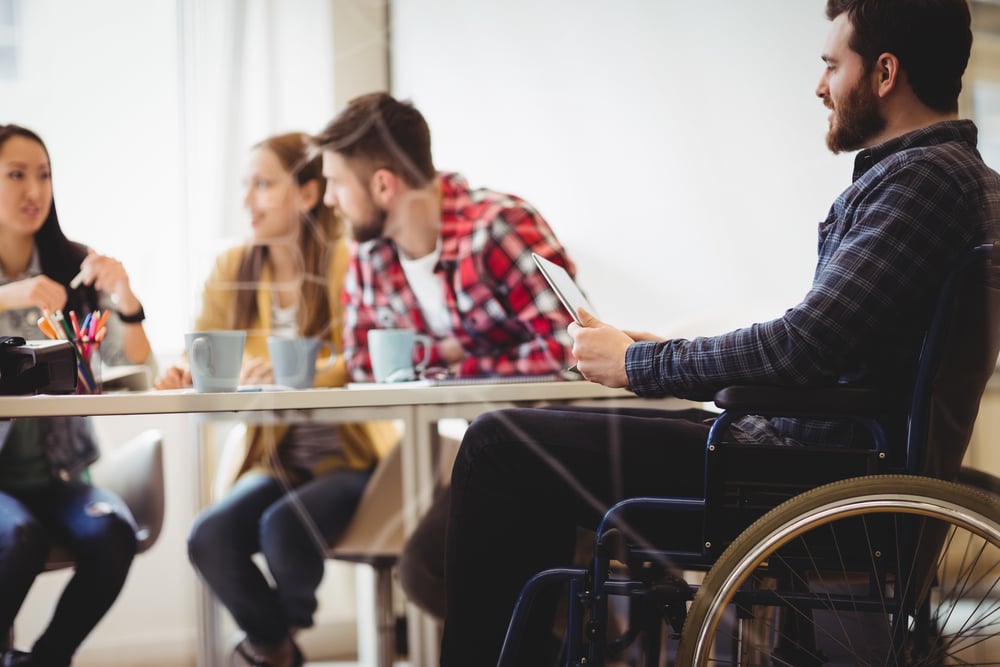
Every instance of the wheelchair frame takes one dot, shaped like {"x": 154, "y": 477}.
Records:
{"x": 755, "y": 522}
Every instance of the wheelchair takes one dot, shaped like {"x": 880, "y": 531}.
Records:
{"x": 808, "y": 556}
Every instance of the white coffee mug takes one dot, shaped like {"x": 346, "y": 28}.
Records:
{"x": 392, "y": 352}
{"x": 293, "y": 360}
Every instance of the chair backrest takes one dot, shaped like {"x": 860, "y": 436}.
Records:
{"x": 958, "y": 357}
{"x": 134, "y": 471}
{"x": 376, "y": 531}
{"x": 230, "y": 460}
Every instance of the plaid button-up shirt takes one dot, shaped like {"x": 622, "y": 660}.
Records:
{"x": 503, "y": 312}
{"x": 917, "y": 202}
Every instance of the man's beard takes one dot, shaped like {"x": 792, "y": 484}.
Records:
{"x": 856, "y": 119}
{"x": 371, "y": 228}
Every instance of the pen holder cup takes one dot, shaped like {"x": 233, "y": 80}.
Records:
{"x": 88, "y": 373}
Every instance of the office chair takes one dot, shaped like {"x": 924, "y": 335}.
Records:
{"x": 133, "y": 471}
{"x": 818, "y": 556}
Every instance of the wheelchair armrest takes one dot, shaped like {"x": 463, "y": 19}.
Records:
{"x": 772, "y": 401}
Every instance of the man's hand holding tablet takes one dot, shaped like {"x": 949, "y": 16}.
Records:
{"x": 598, "y": 347}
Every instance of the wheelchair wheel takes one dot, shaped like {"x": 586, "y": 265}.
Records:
{"x": 881, "y": 570}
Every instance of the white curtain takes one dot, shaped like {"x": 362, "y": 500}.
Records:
{"x": 253, "y": 68}
{"x": 249, "y": 69}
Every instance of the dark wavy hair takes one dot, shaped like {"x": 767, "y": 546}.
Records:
{"x": 931, "y": 38}
{"x": 59, "y": 256}
{"x": 377, "y": 131}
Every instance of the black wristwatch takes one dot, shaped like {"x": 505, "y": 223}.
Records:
{"x": 134, "y": 318}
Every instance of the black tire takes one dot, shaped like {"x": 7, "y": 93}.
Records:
{"x": 954, "y": 565}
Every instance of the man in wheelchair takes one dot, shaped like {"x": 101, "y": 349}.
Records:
{"x": 921, "y": 196}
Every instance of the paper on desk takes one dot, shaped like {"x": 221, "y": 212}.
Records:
{"x": 390, "y": 385}
{"x": 459, "y": 381}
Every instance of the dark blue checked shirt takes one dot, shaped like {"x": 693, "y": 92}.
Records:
{"x": 915, "y": 204}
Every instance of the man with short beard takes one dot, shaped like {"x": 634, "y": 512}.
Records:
{"x": 433, "y": 255}
{"x": 436, "y": 256}
{"x": 921, "y": 196}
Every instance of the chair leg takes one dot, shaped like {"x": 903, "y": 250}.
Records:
{"x": 385, "y": 618}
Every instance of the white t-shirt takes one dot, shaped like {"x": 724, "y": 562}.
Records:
{"x": 430, "y": 290}
{"x": 284, "y": 321}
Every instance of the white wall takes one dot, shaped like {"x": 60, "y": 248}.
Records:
{"x": 677, "y": 148}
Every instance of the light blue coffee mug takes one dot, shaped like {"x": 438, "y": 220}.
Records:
{"x": 392, "y": 351}
{"x": 294, "y": 360}
{"x": 216, "y": 358}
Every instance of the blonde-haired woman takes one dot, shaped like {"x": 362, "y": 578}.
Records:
{"x": 300, "y": 484}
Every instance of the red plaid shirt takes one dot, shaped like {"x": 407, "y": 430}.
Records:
{"x": 506, "y": 317}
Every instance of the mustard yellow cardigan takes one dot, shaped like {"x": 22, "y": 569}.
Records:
{"x": 363, "y": 443}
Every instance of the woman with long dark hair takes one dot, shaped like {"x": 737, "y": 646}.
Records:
{"x": 45, "y": 497}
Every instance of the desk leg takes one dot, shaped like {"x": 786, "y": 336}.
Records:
{"x": 423, "y": 633}
{"x": 208, "y": 625}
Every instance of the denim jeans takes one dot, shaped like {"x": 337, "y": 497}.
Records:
{"x": 98, "y": 529}
{"x": 292, "y": 528}
{"x": 523, "y": 481}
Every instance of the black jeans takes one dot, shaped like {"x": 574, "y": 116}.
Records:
{"x": 523, "y": 481}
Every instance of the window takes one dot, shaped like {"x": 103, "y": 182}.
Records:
{"x": 982, "y": 79}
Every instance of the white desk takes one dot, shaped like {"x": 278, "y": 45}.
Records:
{"x": 419, "y": 408}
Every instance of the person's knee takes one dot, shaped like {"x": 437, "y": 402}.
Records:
{"x": 109, "y": 545}
{"x": 280, "y": 523}
{"x": 204, "y": 540}
{"x": 490, "y": 448}
{"x": 483, "y": 433}
{"x": 285, "y": 535}
{"x": 483, "y": 429}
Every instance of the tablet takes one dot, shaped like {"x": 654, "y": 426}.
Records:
{"x": 564, "y": 286}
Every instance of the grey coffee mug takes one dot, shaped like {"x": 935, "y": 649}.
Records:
{"x": 215, "y": 358}
{"x": 391, "y": 352}
{"x": 293, "y": 360}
